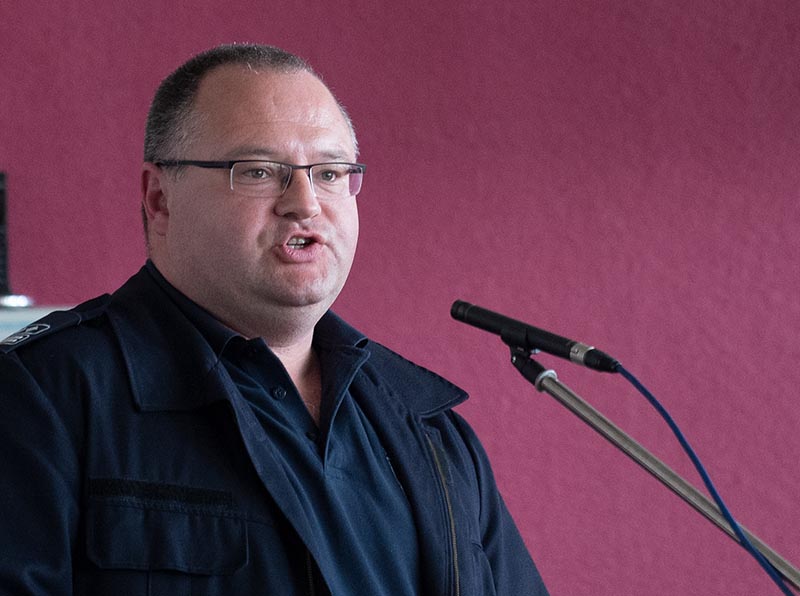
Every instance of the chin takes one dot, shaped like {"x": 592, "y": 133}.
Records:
{"x": 321, "y": 300}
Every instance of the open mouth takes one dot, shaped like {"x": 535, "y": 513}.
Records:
{"x": 298, "y": 242}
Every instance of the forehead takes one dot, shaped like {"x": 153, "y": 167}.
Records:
{"x": 237, "y": 106}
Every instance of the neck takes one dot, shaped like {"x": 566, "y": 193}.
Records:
{"x": 297, "y": 357}
{"x": 302, "y": 364}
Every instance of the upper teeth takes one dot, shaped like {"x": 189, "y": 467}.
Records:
{"x": 299, "y": 241}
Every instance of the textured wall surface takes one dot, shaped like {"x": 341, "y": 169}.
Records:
{"x": 622, "y": 172}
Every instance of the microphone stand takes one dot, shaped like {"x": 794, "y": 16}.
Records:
{"x": 546, "y": 381}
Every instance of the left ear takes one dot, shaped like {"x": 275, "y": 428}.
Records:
{"x": 154, "y": 200}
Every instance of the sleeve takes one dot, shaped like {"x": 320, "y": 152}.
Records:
{"x": 40, "y": 490}
{"x": 512, "y": 568}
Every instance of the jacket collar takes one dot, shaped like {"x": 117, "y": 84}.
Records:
{"x": 172, "y": 366}
{"x": 169, "y": 362}
{"x": 419, "y": 390}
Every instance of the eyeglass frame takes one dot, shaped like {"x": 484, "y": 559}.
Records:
{"x": 229, "y": 165}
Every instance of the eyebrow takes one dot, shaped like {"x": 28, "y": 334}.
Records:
{"x": 272, "y": 155}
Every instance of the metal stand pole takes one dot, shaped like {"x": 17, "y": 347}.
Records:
{"x": 547, "y": 382}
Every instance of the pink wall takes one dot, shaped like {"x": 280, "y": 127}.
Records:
{"x": 622, "y": 172}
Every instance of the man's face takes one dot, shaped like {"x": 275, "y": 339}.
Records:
{"x": 239, "y": 256}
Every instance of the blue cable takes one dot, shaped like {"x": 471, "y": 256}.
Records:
{"x": 743, "y": 540}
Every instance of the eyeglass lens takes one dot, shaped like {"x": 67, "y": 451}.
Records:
{"x": 270, "y": 179}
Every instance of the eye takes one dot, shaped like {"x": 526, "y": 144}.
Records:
{"x": 331, "y": 173}
{"x": 328, "y": 175}
{"x": 258, "y": 173}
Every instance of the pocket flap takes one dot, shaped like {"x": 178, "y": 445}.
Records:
{"x": 138, "y": 537}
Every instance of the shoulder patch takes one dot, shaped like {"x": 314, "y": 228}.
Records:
{"x": 41, "y": 328}
{"x": 55, "y": 321}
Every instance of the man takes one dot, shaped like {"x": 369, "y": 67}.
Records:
{"x": 211, "y": 427}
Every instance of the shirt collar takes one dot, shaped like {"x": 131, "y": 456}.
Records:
{"x": 332, "y": 331}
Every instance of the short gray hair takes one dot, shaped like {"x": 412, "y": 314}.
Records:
{"x": 169, "y": 121}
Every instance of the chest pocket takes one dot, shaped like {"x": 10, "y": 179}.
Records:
{"x": 162, "y": 542}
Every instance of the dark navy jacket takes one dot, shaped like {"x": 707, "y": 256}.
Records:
{"x": 131, "y": 465}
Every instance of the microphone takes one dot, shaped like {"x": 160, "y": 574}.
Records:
{"x": 526, "y": 337}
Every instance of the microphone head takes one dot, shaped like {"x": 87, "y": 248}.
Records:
{"x": 459, "y": 310}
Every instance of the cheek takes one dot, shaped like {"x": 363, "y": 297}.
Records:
{"x": 211, "y": 232}
{"x": 354, "y": 227}
{"x": 349, "y": 231}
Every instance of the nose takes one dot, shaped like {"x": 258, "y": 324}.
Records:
{"x": 298, "y": 201}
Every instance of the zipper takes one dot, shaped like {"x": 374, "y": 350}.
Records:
{"x": 312, "y": 588}
{"x": 450, "y": 516}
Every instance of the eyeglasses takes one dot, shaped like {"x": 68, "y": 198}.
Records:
{"x": 270, "y": 179}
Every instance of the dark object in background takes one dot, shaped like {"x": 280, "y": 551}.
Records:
{"x": 7, "y": 299}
